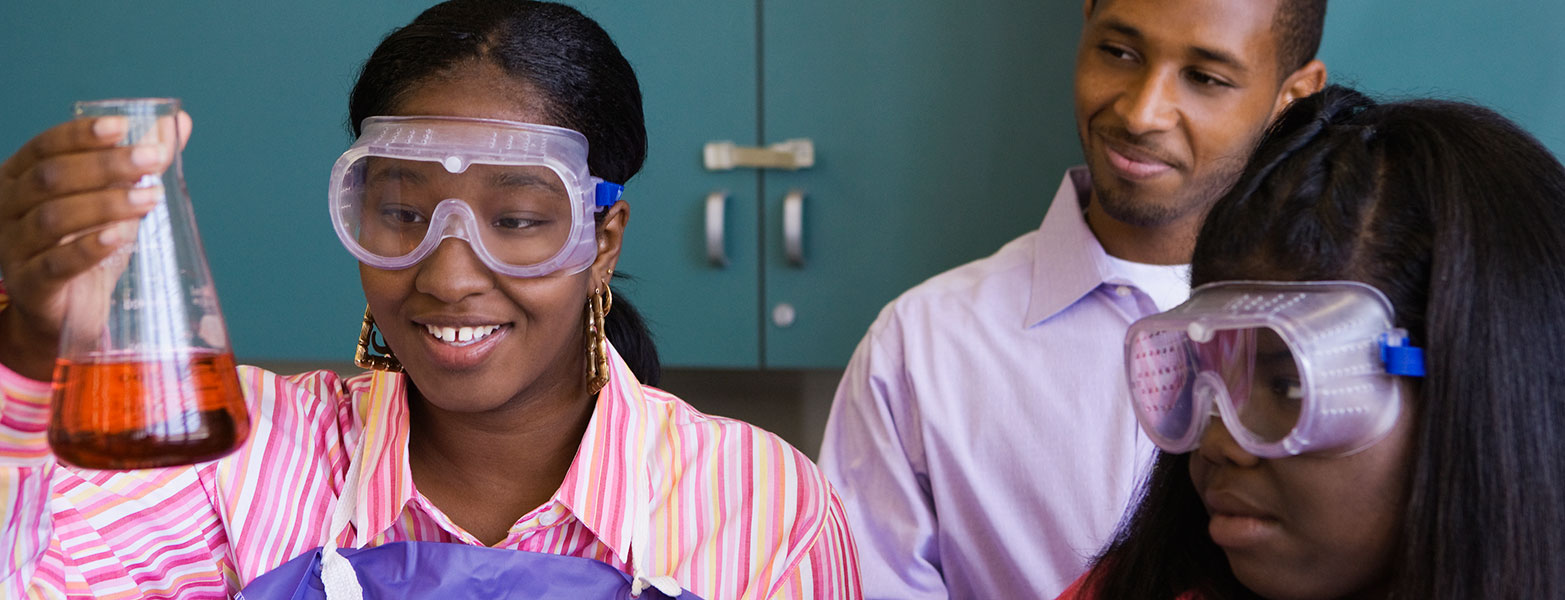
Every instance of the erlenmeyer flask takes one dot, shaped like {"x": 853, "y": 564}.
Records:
{"x": 145, "y": 376}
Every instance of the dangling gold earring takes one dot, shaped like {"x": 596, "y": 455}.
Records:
{"x": 364, "y": 358}
{"x": 598, "y": 305}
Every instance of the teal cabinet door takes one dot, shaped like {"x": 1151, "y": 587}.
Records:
{"x": 941, "y": 131}
{"x": 696, "y": 61}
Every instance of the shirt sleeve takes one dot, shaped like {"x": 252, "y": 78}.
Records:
{"x": 873, "y": 454}
{"x": 87, "y": 534}
{"x": 830, "y": 571}
{"x": 77, "y": 533}
{"x": 25, "y": 468}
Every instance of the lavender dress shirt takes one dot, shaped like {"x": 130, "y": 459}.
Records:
{"x": 981, "y": 437}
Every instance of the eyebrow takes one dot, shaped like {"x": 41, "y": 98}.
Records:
{"x": 1222, "y": 57}
{"x": 1274, "y": 358}
{"x": 394, "y": 172}
{"x": 522, "y": 179}
{"x": 1218, "y": 56}
{"x": 1114, "y": 24}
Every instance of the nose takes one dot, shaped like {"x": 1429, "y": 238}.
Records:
{"x": 1148, "y": 106}
{"x": 1218, "y": 446}
{"x": 453, "y": 272}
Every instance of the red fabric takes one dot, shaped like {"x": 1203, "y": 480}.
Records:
{"x": 1074, "y": 592}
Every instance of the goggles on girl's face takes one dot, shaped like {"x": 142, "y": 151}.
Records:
{"x": 519, "y": 194}
{"x": 1291, "y": 367}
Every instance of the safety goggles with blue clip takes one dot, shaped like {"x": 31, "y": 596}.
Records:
{"x": 1289, "y": 367}
{"x": 519, "y": 194}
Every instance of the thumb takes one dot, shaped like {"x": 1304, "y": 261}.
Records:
{"x": 185, "y": 123}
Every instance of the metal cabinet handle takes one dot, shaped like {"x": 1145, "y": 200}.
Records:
{"x": 716, "y": 203}
{"x": 791, "y": 155}
{"x": 793, "y": 226}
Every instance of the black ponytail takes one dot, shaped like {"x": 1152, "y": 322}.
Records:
{"x": 632, "y": 338}
{"x": 1294, "y": 130}
{"x": 1296, "y": 198}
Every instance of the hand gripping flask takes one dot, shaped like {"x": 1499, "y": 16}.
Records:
{"x": 145, "y": 376}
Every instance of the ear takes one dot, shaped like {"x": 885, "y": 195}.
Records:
{"x": 611, "y": 234}
{"x": 1086, "y": 9}
{"x": 1305, "y": 82}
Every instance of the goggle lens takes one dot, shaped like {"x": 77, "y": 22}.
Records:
{"x": 1263, "y": 383}
{"x": 521, "y": 215}
{"x": 1162, "y": 372}
{"x": 1259, "y": 375}
{"x": 1291, "y": 367}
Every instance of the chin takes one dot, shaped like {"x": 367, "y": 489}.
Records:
{"x": 1274, "y": 585}
{"x": 466, "y": 403}
{"x": 1136, "y": 204}
{"x": 457, "y": 392}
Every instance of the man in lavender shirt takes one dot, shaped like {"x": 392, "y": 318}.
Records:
{"x": 982, "y": 438}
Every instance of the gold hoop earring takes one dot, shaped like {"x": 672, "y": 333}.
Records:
{"x": 368, "y": 344}
{"x": 598, "y": 305}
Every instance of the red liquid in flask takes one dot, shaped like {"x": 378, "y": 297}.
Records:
{"x": 141, "y": 413}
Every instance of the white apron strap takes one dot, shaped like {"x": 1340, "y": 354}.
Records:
{"x": 639, "y": 557}
{"x": 337, "y": 574}
{"x": 641, "y": 535}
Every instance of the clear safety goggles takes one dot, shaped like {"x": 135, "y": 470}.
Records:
{"x": 1291, "y": 367}
{"x": 519, "y": 194}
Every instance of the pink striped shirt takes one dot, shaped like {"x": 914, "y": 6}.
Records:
{"x": 736, "y": 512}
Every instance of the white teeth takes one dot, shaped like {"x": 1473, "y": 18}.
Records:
{"x": 461, "y": 336}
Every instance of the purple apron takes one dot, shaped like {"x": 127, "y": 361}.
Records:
{"x": 455, "y": 572}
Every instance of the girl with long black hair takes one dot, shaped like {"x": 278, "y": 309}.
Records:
{"x": 1289, "y": 473}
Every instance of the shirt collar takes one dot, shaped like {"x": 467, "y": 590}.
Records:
{"x": 606, "y": 479}
{"x": 610, "y": 478}
{"x": 1068, "y": 260}
{"x": 380, "y": 420}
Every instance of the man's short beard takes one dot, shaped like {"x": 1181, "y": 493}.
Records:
{"x": 1196, "y": 199}
{"x": 1130, "y": 212}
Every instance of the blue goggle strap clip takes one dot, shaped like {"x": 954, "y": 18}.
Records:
{"x": 1398, "y": 356}
{"x": 606, "y": 194}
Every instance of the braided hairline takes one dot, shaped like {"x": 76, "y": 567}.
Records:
{"x": 1279, "y": 179}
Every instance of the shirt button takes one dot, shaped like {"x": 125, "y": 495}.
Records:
{"x": 547, "y": 519}
{"x": 1123, "y": 291}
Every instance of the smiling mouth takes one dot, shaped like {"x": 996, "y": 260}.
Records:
{"x": 461, "y": 336}
{"x": 1135, "y": 165}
